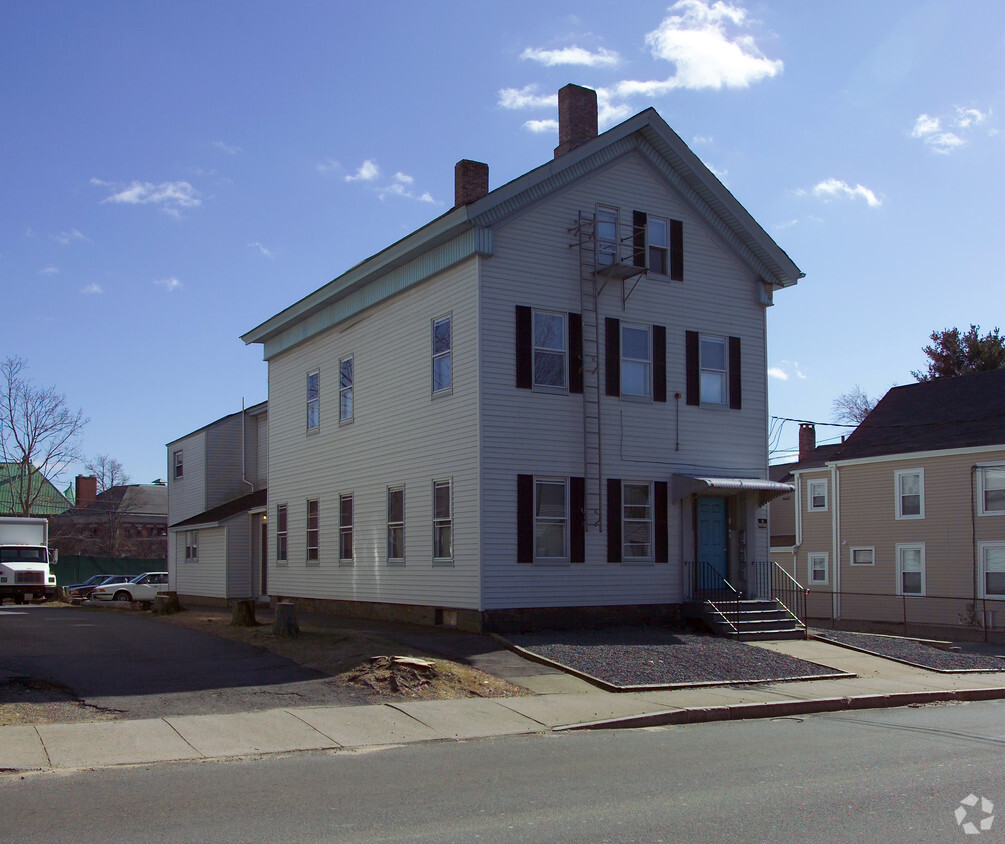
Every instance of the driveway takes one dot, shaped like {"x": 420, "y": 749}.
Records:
{"x": 139, "y": 667}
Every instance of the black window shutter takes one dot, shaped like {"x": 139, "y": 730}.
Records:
{"x": 524, "y": 348}
{"x": 676, "y": 250}
{"x": 659, "y": 363}
{"x": 613, "y": 357}
{"x": 691, "y": 355}
{"x": 639, "y": 219}
{"x": 575, "y": 353}
{"x": 577, "y": 520}
{"x": 525, "y": 518}
{"x": 735, "y": 384}
{"x": 662, "y": 538}
{"x": 613, "y": 520}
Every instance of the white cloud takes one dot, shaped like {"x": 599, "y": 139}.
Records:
{"x": 835, "y": 188}
{"x": 946, "y": 134}
{"x": 368, "y": 171}
{"x": 49, "y": 271}
{"x": 92, "y": 290}
{"x": 967, "y": 117}
{"x": 541, "y": 127}
{"x": 329, "y": 166}
{"x": 404, "y": 179}
{"x": 572, "y": 55}
{"x": 169, "y": 284}
{"x": 526, "y": 97}
{"x": 698, "y": 140}
{"x": 785, "y": 370}
{"x": 171, "y": 196}
{"x": 778, "y": 374}
{"x": 72, "y": 236}
{"x": 262, "y": 250}
{"x": 230, "y": 149}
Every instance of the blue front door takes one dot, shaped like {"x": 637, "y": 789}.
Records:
{"x": 712, "y": 543}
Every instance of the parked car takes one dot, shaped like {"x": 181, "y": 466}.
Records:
{"x": 143, "y": 587}
{"x": 82, "y": 590}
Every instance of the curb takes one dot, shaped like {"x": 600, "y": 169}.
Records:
{"x": 781, "y": 709}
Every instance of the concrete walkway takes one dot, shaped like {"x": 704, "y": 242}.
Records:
{"x": 558, "y": 702}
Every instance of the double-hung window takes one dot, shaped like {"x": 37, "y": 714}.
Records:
{"x": 549, "y": 350}
{"x": 637, "y": 522}
{"x": 714, "y": 381}
{"x": 992, "y": 490}
{"x": 192, "y": 546}
{"x": 636, "y": 361}
{"x": 658, "y": 243}
{"x": 442, "y": 354}
{"x": 713, "y": 370}
{"x": 911, "y": 569}
{"x": 396, "y": 524}
{"x": 992, "y": 569}
{"x": 443, "y": 541}
{"x": 551, "y": 519}
{"x": 281, "y": 533}
{"x": 816, "y": 494}
{"x": 345, "y": 516}
{"x": 313, "y": 400}
{"x": 313, "y": 531}
{"x": 179, "y": 465}
{"x": 607, "y": 236}
{"x": 818, "y": 568}
{"x": 910, "y": 484}
{"x": 345, "y": 391}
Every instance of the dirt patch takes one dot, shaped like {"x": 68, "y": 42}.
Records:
{"x": 28, "y": 700}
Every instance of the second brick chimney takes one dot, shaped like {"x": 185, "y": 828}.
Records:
{"x": 471, "y": 181}
{"x": 86, "y": 490}
{"x": 577, "y": 117}
{"x": 807, "y": 440}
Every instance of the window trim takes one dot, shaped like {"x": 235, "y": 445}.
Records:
{"x": 607, "y": 246}
{"x": 899, "y": 497}
{"x": 316, "y": 531}
{"x": 982, "y": 490}
{"x": 191, "y": 546}
{"x": 702, "y": 369}
{"x": 346, "y": 529}
{"x": 439, "y": 522}
{"x": 982, "y": 548}
{"x": 447, "y": 355}
{"x": 851, "y": 555}
{"x": 179, "y": 464}
{"x": 665, "y": 249}
{"x": 395, "y": 525}
{"x": 910, "y": 546}
{"x": 563, "y": 350}
{"x": 625, "y": 521}
{"x": 623, "y": 357}
{"x": 810, "y": 558}
{"x": 564, "y": 559}
{"x": 346, "y": 390}
{"x": 810, "y": 483}
{"x": 313, "y": 402}
{"x": 282, "y": 534}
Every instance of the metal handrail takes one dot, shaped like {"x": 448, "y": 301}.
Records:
{"x": 767, "y": 579}
{"x": 724, "y": 598}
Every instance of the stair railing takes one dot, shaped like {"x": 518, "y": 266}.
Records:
{"x": 770, "y": 580}
{"x": 719, "y": 594}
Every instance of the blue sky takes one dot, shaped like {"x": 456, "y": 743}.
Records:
{"x": 176, "y": 173}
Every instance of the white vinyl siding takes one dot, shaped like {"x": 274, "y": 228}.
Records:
{"x": 209, "y": 577}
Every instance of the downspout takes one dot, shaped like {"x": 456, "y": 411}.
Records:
{"x": 836, "y": 534}
{"x": 973, "y": 534}
{"x": 799, "y": 525}
{"x": 244, "y": 479}
{"x": 244, "y": 447}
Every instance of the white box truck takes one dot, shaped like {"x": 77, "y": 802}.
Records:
{"x": 24, "y": 560}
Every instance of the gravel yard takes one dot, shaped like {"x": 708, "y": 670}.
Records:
{"x": 655, "y": 656}
{"x": 913, "y": 652}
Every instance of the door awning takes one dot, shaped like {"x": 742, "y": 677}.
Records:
{"x": 684, "y": 485}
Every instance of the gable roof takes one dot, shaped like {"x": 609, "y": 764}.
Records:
{"x": 467, "y": 230}
{"x": 963, "y": 412}
{"x": 816, "y": 459}
{"x": 134, "y": 500}
{"x": 50, "y": 502}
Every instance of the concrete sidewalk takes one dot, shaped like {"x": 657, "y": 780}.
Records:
{"x": 558, "y": 702}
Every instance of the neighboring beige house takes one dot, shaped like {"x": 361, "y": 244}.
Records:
{"x": 904, "y": 523}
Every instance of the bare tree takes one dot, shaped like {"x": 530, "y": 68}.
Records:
{"x": 38, "y": 434}
{"x": 852, "y": 407}
{"x": 108, "y": 471}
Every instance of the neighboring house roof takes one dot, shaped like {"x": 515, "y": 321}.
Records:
{"x": 253, "y": 410}
{"x": 816, "y": 459}
{"x": 967, "y": 411}
{"x": 134, "y": 500}
{"x": 50, "y": 502}
{"x": 258, "y": 498}
{"x": 467, "y": 230}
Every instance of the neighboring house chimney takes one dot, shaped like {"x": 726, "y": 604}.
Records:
{"x": 577, "y": 117}
{"x": 471, "y": 181}
{"x": 86, "y": 490}
{"x": 807, "y": 440}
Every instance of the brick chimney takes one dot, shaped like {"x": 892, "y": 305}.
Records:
{"x": 807, "y": 440}
{"x": 471, "y": 181}
{"x": 86, "y": 490}
{"x": 577, "y": 117}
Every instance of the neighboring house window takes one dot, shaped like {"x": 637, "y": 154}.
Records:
{"x": 313, "y": 400}
{"x": 658, "y": 241}
{"x": 607, "y": 236}
{"x": 910, "y": 493}
{"x": 637, "y": 522}
{"x": 345, "y": 372}
{"x": 713, "y": 370}
{"x": 442, "y": 354}
{"x": 281, "y": 533}
{"x": 443, "y": 541}
{"x": 345, "y": 516}
{"x": 636, "y": 361}
{"x": 816, "y": 494}
{"x": 818, "y": 569}
{"x": 551, "y": 516}
{"x": 179, "y": 465}
{"x": 911, "y": 569}
{"x": 863, "y": 556}
{"x": 313, "y": 532}
{"x": 549, "y": 349}
{"x": 192, "y": 546}
{"x": 992, "y": 486}
{"x": 993, "y": 569}
{"x": 396, "y": 524}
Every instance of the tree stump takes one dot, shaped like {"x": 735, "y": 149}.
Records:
{"x": 244, "y": 614}
{"x": 284, "y": 626}
{"x": 166, "y": 603}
